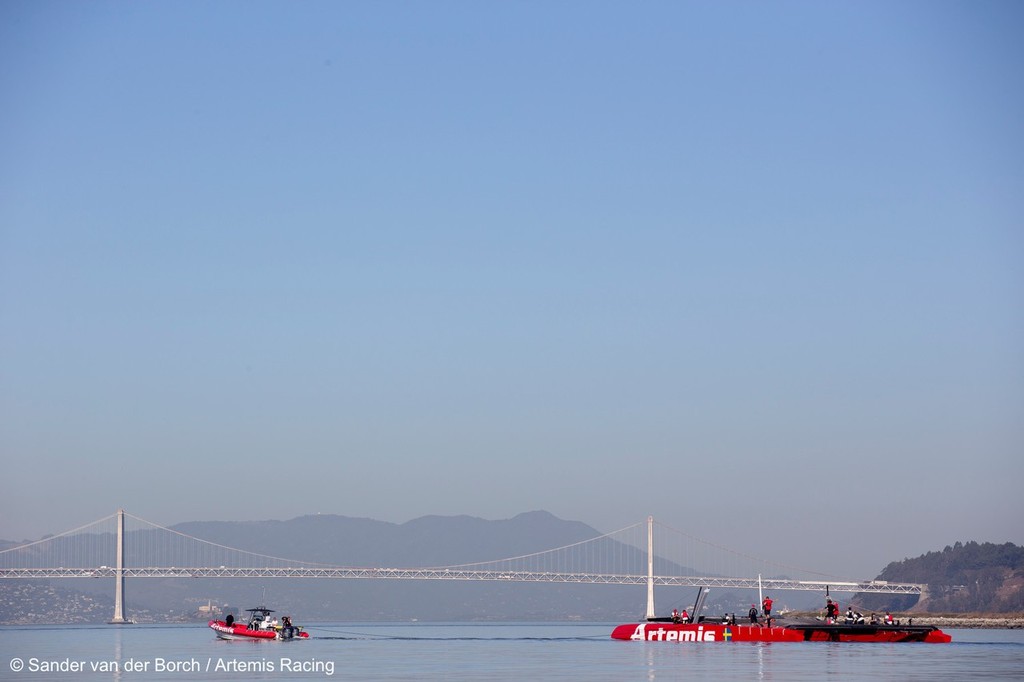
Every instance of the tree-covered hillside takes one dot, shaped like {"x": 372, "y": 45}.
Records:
{"x": 967, "y": 577}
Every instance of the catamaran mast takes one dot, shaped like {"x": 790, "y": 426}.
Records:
{"x": 760, "y": 592}
{"x": 650, "y": 567}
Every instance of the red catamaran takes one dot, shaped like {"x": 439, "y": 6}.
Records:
{"x": 796, "y": 632}
{"x": 696, "y": 628}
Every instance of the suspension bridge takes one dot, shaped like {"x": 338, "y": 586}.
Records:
{"x": 122, "y": 546}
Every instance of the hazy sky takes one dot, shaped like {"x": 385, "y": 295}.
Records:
{"x": 753, "y": 268}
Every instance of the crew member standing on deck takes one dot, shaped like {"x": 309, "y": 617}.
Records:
{"x": 766, "y": 607}
{"x": 753, "y": 614}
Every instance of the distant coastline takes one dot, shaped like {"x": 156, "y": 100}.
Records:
{"x": 995, "y": 621}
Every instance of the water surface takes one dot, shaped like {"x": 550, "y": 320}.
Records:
{"x": 482, "y": 652}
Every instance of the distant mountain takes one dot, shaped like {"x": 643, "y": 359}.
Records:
{"x": 965, "y": 578}
{"x": 426, "y": 541}
{"x": 423, "y": 542}
{"x": 358, "y": 542}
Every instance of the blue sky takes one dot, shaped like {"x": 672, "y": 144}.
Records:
{"x": 751, "y": 267}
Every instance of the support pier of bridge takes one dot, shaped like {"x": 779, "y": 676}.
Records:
{"x": 119, "y": 618}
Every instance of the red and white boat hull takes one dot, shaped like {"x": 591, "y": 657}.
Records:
{"x": 237, "y": 631}
{"x": 803, "y": 632}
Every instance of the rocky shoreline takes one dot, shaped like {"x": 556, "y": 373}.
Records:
{"x": 995, "y": 621}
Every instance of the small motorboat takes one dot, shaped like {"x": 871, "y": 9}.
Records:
{"x": 259, "y": 626}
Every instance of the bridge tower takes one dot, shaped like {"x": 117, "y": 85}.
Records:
{"x": 119, "y": 574}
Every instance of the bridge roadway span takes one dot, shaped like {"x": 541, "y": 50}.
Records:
{"x": 876, "y": 586}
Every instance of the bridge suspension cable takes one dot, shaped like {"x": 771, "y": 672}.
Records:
{"x": 215, "y": 548}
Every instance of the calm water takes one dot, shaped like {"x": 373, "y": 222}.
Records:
{"x": 480, "y": 652}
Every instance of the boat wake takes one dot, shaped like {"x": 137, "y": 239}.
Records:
{"x": 349, "y": 635}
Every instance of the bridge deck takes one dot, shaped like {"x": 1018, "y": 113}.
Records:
{"x": 461, "y": 574}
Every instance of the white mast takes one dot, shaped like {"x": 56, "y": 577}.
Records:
{"x": 760, "y": 594}
{"x": 650, "y": 567}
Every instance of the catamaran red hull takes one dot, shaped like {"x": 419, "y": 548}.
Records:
{"x": 712, "y": 632}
